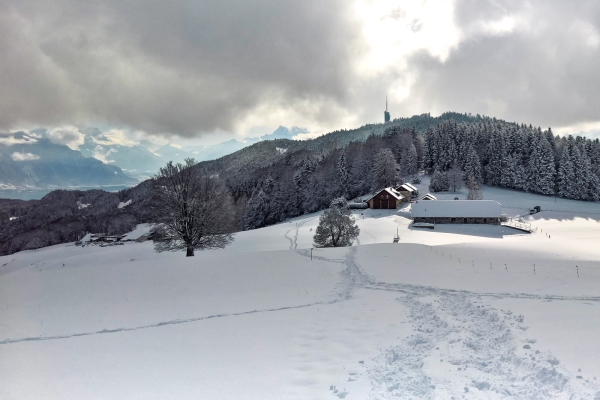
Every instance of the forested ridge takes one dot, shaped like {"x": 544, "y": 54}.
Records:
{"x": 273, "y": 180}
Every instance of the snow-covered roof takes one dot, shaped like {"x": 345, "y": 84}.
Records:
{"x": 410, "y": 185}
{"x": 428, "y": 196}
{"x": 406, "y": 188}
{"x": 391, "y": 191}
{"x": 457, "y": 209}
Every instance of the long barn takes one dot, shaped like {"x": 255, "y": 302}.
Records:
{"x": 457, "y": 212}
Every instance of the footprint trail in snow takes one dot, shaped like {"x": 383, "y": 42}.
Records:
{"x": 460, "y": 348}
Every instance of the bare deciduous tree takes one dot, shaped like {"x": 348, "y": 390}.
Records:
{"x": 455, "y": 178}
{"x": 190, "y": 211}
{"x": 474, "y": 190}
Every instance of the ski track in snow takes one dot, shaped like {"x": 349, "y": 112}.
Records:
{"x": 288, "y": 238}
{"x": 295, "y": 241}
{"x": 452, "y": 331}
{"x": 343, "y": 292}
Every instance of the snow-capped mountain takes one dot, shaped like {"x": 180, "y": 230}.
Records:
{"x": 31, "y": 160}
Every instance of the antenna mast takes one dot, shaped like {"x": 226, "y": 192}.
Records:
{"x": 386, "y": 114}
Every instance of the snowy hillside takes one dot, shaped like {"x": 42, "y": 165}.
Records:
{"x": 457, "y": 311}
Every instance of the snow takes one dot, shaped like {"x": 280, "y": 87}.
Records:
{"x": 411, "y": 186}
{"x": 428, "y": 196}
{"x": 124, "y": 204}
{"x": 424, "y": 318}
{"x": 81, "y": 205}
{"x": 456, "y": 208}
{"x": 141, "y": 229}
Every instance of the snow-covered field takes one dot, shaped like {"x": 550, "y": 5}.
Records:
{"x": 454, "y": 312}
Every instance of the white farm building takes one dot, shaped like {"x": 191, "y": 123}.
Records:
{"x": 457, "y": 212}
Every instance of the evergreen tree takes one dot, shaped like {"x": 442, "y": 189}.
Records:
{"x": 408, "y": 162}
{"x": 520, "y": 177}
{"x": 336, "y": 227}
{"x": 472, "y": 165}
{"x": 428, "y": 151}
{"x": 385, "y": 170}
{"x": 587, "y": 181}
{"x": 509, "y": 172}
{"x": 566, "y": 175}
{"x": 497, "y": 158}
{"x": 439, "y": 182}
{"x": 342, "y": 170}
{"x": 305, "y": 169}
{"x": 542, "y": 171}
{"x": 257, "y": 211}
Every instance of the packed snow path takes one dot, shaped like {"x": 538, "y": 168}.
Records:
{"x": 473, "y": 341}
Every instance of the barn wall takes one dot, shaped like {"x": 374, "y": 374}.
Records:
{"x": 469, "y": 220}
{"x": 380, "y": 202}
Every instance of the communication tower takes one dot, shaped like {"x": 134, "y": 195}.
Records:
{"x": 386, "y": 114}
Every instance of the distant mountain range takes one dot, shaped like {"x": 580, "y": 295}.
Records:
{"x": 36, "y": 162}
{"x": 33, "y": 161}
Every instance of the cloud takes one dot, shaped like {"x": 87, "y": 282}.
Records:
{"x": 9, "y": 139}
{"x": 67, "y": 135}
{"x": 205, "y": 67}
{"x": 115, "y": 136}
{"x": 307, "y": 136}
{"x": 533, "y": 62}
{"x": 16, "y": 156}
{"x": 181, "y": 67}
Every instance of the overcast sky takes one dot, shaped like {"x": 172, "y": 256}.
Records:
{"x": 200, "y": 68}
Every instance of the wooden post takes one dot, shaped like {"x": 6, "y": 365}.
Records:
{"x": 311, "y": 249}
{"x": 577, "y": 271}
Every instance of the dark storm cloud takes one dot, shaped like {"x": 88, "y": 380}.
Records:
{"x": 544, "y": 71}
{"x": 167, "y": 66}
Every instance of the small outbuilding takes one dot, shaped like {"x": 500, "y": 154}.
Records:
{"x": 387, "y": 198}
{"x": 457, "y": 212}
{"x": 427, "y": 196}
{"x": 408, "y": 190}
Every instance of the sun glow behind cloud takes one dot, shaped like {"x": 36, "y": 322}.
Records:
{"x": 393, "y": 31}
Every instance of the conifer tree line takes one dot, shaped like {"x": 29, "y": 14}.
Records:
{"x": 521, "y": 157}
{"x": 305, "y": 181}
{"x": 480, "y": 151}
